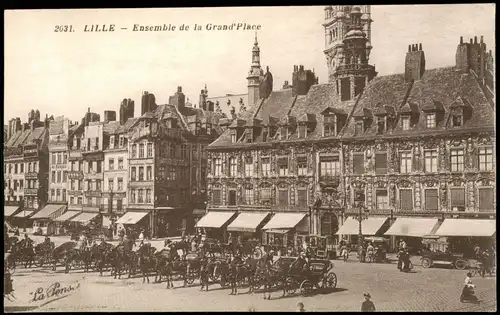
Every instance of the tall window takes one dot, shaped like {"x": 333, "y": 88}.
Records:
{"x": 150, "y": 150}
{"x": 329, "y": 125}
{"x": 266, "y": 166}
{"x": 218, "y": 167}
{"x": 148, "y": 195}
{"x": 406, "y": 199}
{"x": 149, "y": 173}
{"x": 302, "y": 166}
{"x": 248, "y": 196}
{"x": 431, "y": 199}
{"x": 302, "y": 198}
{"x": 21, "y": 168}
{"x": 132, "y": 196}
{"x": 233, "y": 166}
{"x": 381, "y": 124}
{"x": 381, "y": 163}
{"x": 486, "y": 200}
{"x": 406, "y": 162}
{"x": 183, "y": 151}
{"x": 430, "y": 120}
{"x": 53, "y": 176}
{"x": 457, "y": 160}
{"x": 111, "y": 164}
{"x": 134, "y": 151}
{"x": 329, "y": 166}
{"x": 265, "y": 195}
{"x": 120, "y": 163}
{"x": 53, "y": 158}
{"x": 58, "y": 194}
{"x": 457, "y": 199}
{"x": 233, "y": 136}
{"x": 382, "y": 199}
{"x": 141, "y": 173}
{"x": 283, "y": 166}
{"x": 248, "y": 166}
{"x": 98, "y": 184}
{"x": 141, "y": 150}
{"x": 59, "y": 177}
{"x": 456, "y": 120}
{"x": 283, "y": 198}
{"x": 119, "y": 202}
{"x": 358, "y": 163}
{"x": 216, "y": 197}
{"x": 120, "y": 184}
{"x": 133, "y": 174}
{"x": 231, "y": 199}
{"x": 99, "y": 166}
{"x": 431, "y": 161}
{"x": 111, "y": 184}
{"x": 405, "y": 121}
{"x": 358, "y": 128}
{"x": 65, "y": 176}
{"x": 485, "y": 159}
{"x": 140, "y": 196}
{"x": 59, "y": 158}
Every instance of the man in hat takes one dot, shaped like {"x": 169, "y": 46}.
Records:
{"x": 367, "y": 305}
{"x": 300, "y": 264}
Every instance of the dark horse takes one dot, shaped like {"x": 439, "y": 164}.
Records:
{"x": 120, "y": 258}
{"x": 146, "y": 260}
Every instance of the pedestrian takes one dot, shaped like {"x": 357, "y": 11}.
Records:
{"x": 300, "y": 307}
{"x": 204, "y": 274}
{"x": 367, "y": 305}
{"x": 370, "y": 250}
{"x": 468, "y": 294}
{"x": 477, "y": 252}
{"x": 400, "y": 259}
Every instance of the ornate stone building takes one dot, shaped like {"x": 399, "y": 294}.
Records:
{"x": 412, "y": 144}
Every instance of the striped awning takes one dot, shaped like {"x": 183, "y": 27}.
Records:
{"x": 49, "y": 212}
{"x": 9, "y": 210}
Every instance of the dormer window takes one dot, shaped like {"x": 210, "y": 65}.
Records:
{"x": 330, "y": 126}
{"x": 209, "y": 129}
{"x": 430, "y": 120}
{"x": 381, "y": 124}
{"x": 457, "y": 120}
{"x": 111, "y": 142}
{"x": 284, "y": 133}
{"x": 265, "y": 134}
{"x": 358, "y": 128}
{"x": 302, "y": 131}
{"x": 405, "y": 121}
{"x": 233, "y": 136}
{"x": 198, "y": 128}
{"x": 249, "y": 135}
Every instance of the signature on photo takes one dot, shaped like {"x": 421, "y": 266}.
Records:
{"x": 55, "y": 290}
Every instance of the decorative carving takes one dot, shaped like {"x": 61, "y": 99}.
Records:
{"x": 458, "y": 182}
{"x": 484, "y": 181}
{"x": 265, "y": 185}
{"x": 430, "y": 143}
{"x": 456, "y": 142}
{"x": 232, "y": 185}
{"x": 380, "y": 146}
{"x": 443, "y": 195}
{"x": 302, "y": 184}
{"x": 392, "y": 194}
{"x": 404, "y": 183}
{"x": 430, "y": 182}
{"x": 358, "y": 184}
{"x": 380, "y": 184}
{"x": 484, "y": 139}
{"x": 283, "y": 184}
{"x": 405, "y": 145}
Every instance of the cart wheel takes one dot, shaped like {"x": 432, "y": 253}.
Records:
{"x": 191, "y": 276}
{"x": 306, "y": 287}
{"x": 331, "y": 281}
{"x": 291, "y": 286}
{"x": 460, "y": 264}
{"x": 426, "y": 262}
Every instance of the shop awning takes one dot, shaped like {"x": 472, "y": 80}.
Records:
{"x": 9, "y": 210}
{"x": 247, "y": 222}
{"x": 49, "y": 212}
{"x": 467, "y": 227}
{"x": 278, "y": 231}
{"x": 66, "y": 216}
{"x": 199, "y": 211}
{"x": 283, "y": 221}
{"x": 132, "y": 217}
{"x": 415, "y": 227}
{"x": 24, "y": 214}
{"x": 214, "y": 219}
{"x": 369, "y": 226}
{"x": 85, "y": 217}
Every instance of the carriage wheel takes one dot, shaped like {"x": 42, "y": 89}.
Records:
{"x": 306, "y": 287}
{"x": 426, "y": 262}
{"x": 190, "y": 277}
{"x": 460, "y": 264}
{"x": 291, "y": 285}
{"x": 331, "y": 281}
{"x": 256, "y": 283}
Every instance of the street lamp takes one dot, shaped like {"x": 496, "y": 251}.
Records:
{"x": 362, "y": 214}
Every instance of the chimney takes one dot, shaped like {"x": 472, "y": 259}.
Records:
{"x": 32, "y": 125}
{"x": 415, "y": 63}
{"x": 302, "y": 80}
{"x": 109, "y": 115}
{"x": 475, "y": 39}
{"x": 203, "y": 100}
{"x": 462, "y": 56}
{"x": 127, "y": 109}
{"x": 409, "y": 48}
{"x": 178, "y": 99}
{"x": 482, "y": 60}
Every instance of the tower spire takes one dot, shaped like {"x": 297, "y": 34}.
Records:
{"x": 256, "y": 42}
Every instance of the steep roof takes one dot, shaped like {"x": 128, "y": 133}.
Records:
{"x": 111, "y": 127}
{"x": 276, "y": 105}
{"x": 234, "y": 100}
{"x": 437, "y": 90}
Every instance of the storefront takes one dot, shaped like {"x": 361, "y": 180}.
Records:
{"x": 85, "y": 219}
{"x": 134, "y": 221}
{"x": 43, "y": 219}
{"x": 248, "y": 225}
{"x": 214, "y": 224}
{"x": 285, "y": 230}
{"x": 23, "y": 221}
{"x": 374, "y": 226}
{"x": 412, "y": 231}
{"x": 172, "y": 221}
{"x": 464, "y": 234}
{"x": 63, "y": 223}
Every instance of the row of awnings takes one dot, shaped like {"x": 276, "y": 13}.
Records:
{"x": 420, "y": 227}
{"x": 250, "y": 222}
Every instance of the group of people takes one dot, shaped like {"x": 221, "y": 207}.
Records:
{"x": 486, "y": 259}
{"x": 404, "y": 263}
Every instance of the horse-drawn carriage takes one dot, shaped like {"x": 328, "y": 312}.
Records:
{"x": 320, "y": 276}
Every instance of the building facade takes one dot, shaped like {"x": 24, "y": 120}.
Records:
{"x": 414, "y": 144}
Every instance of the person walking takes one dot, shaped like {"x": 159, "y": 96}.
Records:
{"x": 370, "y": 251}
{"x": 300, "y": 307}
{"x": 367, "y": 305}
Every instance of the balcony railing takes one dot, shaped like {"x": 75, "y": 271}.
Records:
{"x": 75, "y": 155}
{"x": 75, "y": 174}
{"x": 30, "y": 191}
{"x": 31, "y": 175}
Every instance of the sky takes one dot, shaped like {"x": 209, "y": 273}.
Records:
{"x": 65, "y": 73}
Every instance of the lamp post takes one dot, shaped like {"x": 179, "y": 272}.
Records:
{"x": 361, "y": 215}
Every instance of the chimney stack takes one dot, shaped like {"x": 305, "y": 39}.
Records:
{"x": 461, "y": 40}
{"x": 178, "y": 99}
{"x": 109, "y": 115}
{"x": 127, "y": 109}
{"x": 415, "y": 63}
{"x": 462, "y": 56}
{"x": 409, "y": 48}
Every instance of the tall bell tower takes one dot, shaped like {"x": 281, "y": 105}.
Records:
{"x": 254, "y": 75}
{"x": 348, "y": 47}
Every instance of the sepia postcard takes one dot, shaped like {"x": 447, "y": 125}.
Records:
{"x": 308, "y": 159}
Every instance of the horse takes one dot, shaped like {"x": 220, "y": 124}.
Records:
{"x": 120, "y": 258}
{"x": 99, "y": 255}
{"x": 146, "y": 260}
{"x": 25, "y": 252}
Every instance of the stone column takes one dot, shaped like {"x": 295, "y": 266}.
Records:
{"x": 417, "y": 194}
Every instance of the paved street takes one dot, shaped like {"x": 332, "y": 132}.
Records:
{"x": 422, "y": 290}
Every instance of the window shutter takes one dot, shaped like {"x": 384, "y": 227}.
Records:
{"x": 431, "y": 199}
{"x": 358, "y": 163}
{"x": 457, "y": 197}
{"x": 381, "y": 163}
{"x": 406, "y": 199}
{"x": 486, "y": 202}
